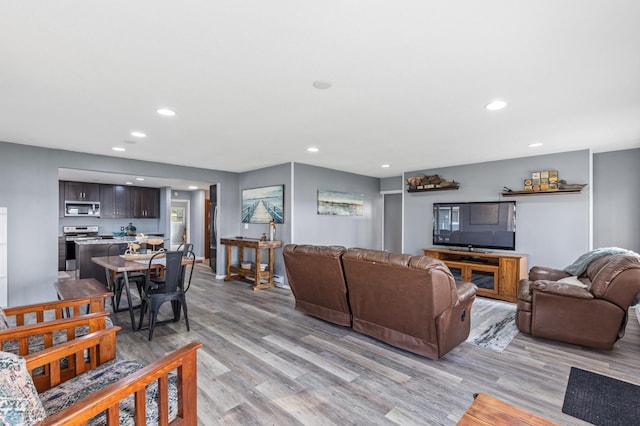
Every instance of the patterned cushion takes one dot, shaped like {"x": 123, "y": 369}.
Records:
{"x": 19, "y": 402}
{"x": 65, "y": 394}
{"x": 4, "y": 324}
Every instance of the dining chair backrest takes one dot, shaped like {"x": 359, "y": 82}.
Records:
{"x": 188, "y": 271}
{"x": 116, "y": 249}
{"x": 173, "y": 269}
{"x": 185, "y": 247}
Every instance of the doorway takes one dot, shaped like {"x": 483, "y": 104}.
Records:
{"x": 179, "y": 223}
{"x": 392, "y": 235}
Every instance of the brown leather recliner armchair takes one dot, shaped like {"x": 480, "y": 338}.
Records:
{"x": 592, "y": 315}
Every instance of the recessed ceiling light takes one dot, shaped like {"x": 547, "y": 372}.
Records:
{"x": 495, "y": 105}
{"x": 312, "y": 149}
{"x": 140, "y": 179}
{"x": 166, "y": 112}
{"x": 137, "y": 134}
{"x": 322, "y": 84}
{"x": 386, "y": 166}
{"x": 128, "y": 183}
{"x": 129, "y": 141}
{"x": 535, "y": 144}
{"x": 193, "y": 187}
{"x": 118, "y": 148}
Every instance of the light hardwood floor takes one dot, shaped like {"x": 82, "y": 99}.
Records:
{"x": 263, "y": 363}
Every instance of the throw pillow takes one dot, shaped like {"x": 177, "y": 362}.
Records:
{"x": 19, "y": 400}
{"x": 4, "y": 324}
{"x": 573, "y": 281}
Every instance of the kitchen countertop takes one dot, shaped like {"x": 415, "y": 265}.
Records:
{"x": 113, "y": 240}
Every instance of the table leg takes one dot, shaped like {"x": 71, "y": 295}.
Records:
{"x": 257, "y": 283}
{"x": 111, "y": 286}
{"x": 126, "y": 287}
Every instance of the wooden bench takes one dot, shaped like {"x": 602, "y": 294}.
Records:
{"x": 84, "y": 288}
{"x": 174, "y": 398}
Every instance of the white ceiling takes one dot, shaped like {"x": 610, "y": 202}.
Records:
{"x": 409, "y": 80}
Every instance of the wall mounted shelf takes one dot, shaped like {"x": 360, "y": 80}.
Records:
{"x": 558, "y": 192}
{"x": 446, "y": 188}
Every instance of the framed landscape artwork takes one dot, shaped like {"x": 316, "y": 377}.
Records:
{"x": 262, "y": 205}
{"x": 340, "y": 203}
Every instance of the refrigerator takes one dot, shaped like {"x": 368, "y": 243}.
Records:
{"x": 213, "y": 226}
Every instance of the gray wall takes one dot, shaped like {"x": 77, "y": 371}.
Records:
{"x": 29, "y": 189}
{"x": 616, "y": 197}
{"x": 553, "y": 230}
{"x": 349, "y": 231}
{"x": 395, "y": 183}
{"x": 275, "y": 175}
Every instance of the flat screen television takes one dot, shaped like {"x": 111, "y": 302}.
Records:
{"x": 472, "y": 225}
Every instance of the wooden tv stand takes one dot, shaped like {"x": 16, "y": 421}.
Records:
{"x": 496, "y": 274}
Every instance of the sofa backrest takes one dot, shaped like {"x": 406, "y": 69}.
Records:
{"x": 411, "y": 289}
{"x": 615, "y": 278}
{"x": 316, "y": 277}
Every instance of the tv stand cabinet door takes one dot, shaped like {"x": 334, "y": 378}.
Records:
{"x": 512, "y": 270}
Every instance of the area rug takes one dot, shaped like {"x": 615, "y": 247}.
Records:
{"x": 493, "y": 324}
{"x": 601, "y": 400}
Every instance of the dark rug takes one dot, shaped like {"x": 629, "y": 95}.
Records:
{"x": 601, "y": 400}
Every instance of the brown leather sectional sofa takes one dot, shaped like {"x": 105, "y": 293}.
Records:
{"x": 411, "y": 302}
{"x": 590, "y": 312}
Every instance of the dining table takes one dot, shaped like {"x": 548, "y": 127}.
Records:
{"x": 124, "y": 264}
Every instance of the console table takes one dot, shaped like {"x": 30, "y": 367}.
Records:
{"x": 496, "y": 274}
{"x": 236, "y": 271}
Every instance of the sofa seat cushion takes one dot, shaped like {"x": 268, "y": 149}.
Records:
{"x": 19, "y": 402}
{"x": 67, "y": 393}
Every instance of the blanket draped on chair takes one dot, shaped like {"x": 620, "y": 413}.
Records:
{"x": 580, "y": 265}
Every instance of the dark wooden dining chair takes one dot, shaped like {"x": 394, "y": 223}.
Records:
{"x": 154, "y": 295}
{"x": 137, "y": 278}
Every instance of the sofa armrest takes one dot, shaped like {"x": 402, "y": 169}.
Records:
{"x": 108, "y": 398}
{"x": 561, "y": 289}
{"x": 466, "y": 290}
{"x": 58, "y": 306}
{"x": 101, "y": 346}
{"x": 549, "y": 274}
{"x": 22, "y": 333}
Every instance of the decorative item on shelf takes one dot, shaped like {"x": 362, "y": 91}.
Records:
{"x": 263, "y": 237}
{"x": 430, "y": 183}
{"x": 562, "y": 184}
{"x": 545, "y": 182}
{"x": 272, "y": 230}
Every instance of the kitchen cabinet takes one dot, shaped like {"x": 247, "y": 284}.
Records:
{"x": 115, "y": 201}
{"x": 145, "y": 202}
{"x": 60, "y": 198}
{"x": 80, "y": 191}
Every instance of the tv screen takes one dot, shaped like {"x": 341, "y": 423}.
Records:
{"x": 489, "y": 224}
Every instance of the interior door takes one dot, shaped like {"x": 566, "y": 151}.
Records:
{"x": 393, "y": 223}
{"x": 178, "y": 225}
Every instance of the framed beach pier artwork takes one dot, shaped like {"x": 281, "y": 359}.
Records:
{"x": 340, "y": 203}
{"x": 262, "y": 205}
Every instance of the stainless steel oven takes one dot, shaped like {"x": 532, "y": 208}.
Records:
{"x": 73, "y": 234}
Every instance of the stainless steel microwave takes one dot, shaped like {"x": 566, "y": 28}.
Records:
{"x": 82, "y": 208}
